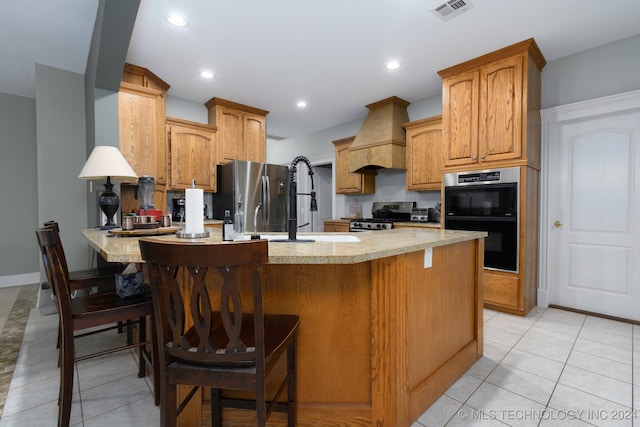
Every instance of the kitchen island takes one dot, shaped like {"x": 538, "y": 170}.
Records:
{"x": 387, "y": 322}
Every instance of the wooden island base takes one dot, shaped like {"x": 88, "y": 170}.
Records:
{"x": 379, "y": 341}
{"x": 387, "y": 323}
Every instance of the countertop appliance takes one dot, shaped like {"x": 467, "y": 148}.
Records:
{"x": 262, "y": 191}
{"x": 487, "y": 200}
{"x": 384, "y": 215}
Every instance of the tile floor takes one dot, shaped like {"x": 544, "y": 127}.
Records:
{"x": 550, "y": 368}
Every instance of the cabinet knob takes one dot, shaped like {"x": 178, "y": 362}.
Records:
{"x": 482, "y": 157}
{"x": 557, "y": 224}
{"x": 474, "y": 158}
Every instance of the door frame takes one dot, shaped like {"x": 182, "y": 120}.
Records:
{"x": 620, "y": 103}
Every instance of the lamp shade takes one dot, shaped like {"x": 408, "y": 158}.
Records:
{"x": 106, "y": 161}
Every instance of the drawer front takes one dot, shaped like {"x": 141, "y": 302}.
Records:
{"x": 502, "y": 289}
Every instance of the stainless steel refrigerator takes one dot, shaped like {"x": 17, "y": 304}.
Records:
{"x": 254, "y": 184}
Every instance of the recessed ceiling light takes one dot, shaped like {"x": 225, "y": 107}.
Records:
{"x": 301, "y": 104}
{"x": 177, "y": 20}
{"x": 207, "y": 74}
{"x": 393, "y": 65}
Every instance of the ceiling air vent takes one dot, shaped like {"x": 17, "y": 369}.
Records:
{"x": 451, "y": 8}
{"x": 275, "y": 137}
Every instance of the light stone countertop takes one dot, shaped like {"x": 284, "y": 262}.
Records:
{"x": 372, "y": 245}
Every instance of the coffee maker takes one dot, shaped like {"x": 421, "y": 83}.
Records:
{"x": 178, "y": 209}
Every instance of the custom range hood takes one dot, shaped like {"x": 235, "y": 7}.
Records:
{"x": 380, "y": 142}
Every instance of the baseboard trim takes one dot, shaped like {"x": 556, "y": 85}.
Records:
{"x": 591, "y": 313}
{"x": 19, "y": 280}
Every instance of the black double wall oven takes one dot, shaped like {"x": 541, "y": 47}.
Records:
{"x": 487, "y": 200}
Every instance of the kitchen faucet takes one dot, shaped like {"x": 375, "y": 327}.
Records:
{"x": 293, "y": 193}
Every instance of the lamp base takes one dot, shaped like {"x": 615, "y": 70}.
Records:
{"x": 109, "y": 203}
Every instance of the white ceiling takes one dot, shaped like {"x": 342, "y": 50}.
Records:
{"x": 330, "y": 53}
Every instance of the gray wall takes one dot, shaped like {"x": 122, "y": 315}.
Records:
{"x": 18, "y": 186}
{"x": 605, "y": 70}
{"x": 61, "y": 136}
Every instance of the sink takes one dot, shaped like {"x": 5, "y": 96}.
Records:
{"x": 332, "y": 238}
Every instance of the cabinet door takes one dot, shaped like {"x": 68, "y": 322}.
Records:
{"x": 460, "y": 118}
{"x": 230, "y": 143}
{"x": 192, "y": 157}
{"x": 424, "y": 156}
{"x": 141, "y": 121}
{"x": 348, "y": 182}
{"x": 254, "y": 137}
{"x": 501, "y": 86}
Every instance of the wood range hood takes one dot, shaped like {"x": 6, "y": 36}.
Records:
{"x": 380, "y": 142}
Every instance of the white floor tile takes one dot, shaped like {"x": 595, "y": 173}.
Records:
{"x": 598, "y": 385}
{"x": 42, "y": 416}
{"x": 609, "y": 326}
{"x": 470, "y": 417}
{"x": 603, "y": 350}
{"x": 588, "y": 407}
{"x": 559, "y": 327}
{"x": 541, "y": 366}
{"x": 501, "y": 336}
{"x": 523, "y": 383}
{"x": 482, "y": 368}
{"x": 557, "y": 352}
{"x": 553, "y": 418}
{"x": 109, "y": 397}
{"x": 440, "y": 412}
{"x": 494, "y": 351}
{"x": 608, "y": 338}
{"x": 550, "y": 337}
{"x": 600, "y": 365}
{"x": 463, "y": 388}
{"x": 507, "y": 407}
{"x": 563, "y": 316}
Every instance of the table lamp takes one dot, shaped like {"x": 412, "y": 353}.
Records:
{"x": 107, "y": 162}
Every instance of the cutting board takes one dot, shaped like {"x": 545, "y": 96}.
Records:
{"x": 144, "y": 232}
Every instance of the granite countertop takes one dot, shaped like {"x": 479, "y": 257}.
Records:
{"x": 371, "y": 245}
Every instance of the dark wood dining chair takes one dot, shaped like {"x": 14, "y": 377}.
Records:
{"x": 212, "y": 331}
{"x": 89, "y": 311}
{"x": 100, "y": 276}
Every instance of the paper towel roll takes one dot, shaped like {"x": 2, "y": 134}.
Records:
{"x": 194, "y": 206}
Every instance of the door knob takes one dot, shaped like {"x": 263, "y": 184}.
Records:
{"x": 557, "y": 224}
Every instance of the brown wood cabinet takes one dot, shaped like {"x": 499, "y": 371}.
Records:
{"x": 141, "y": 118}
{"x": 336, "y": 226}
{"x": 349, "y": 182}
{"x": 490, "y": 109}
{"x": 424, "y": 154}
{"x": 141, "y": 114}
{"x": 241, "y": 130}
{"x": 192, "y": 146}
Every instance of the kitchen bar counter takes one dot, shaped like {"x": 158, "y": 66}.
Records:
{"x": 387, "y": 324}
{"x": 372, "y": 245}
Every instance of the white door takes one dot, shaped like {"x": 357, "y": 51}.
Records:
{"x": 594, "y": 215}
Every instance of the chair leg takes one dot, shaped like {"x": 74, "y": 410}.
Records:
{"x": 155, "y": 357}
{"x": 291, "y": 384}
{"x": 66, "y": 380}
{"x": 216, "y": 409}
{"x": 169, "y": 405}
{"x": 142, "y": 336}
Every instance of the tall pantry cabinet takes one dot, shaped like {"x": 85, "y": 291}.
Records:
{"x": 491, "y": 119}
{"x": 141, "y": 111}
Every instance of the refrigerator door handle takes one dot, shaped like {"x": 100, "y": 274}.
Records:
{"x": 266, "y": 200}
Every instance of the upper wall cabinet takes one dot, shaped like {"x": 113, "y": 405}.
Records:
{"x": 350, "y": 182}
{"x": 141, "y": 113}
{"x": 192, "y": 146}
{"x": 424, "y": 154}
{"x": 491, "y": 109}
{"x": 241, "y": 130}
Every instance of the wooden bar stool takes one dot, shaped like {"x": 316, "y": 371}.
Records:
{"x": 212, "y": 330}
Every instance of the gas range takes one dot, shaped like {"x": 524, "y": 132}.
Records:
{"x": 384, "y": 215}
